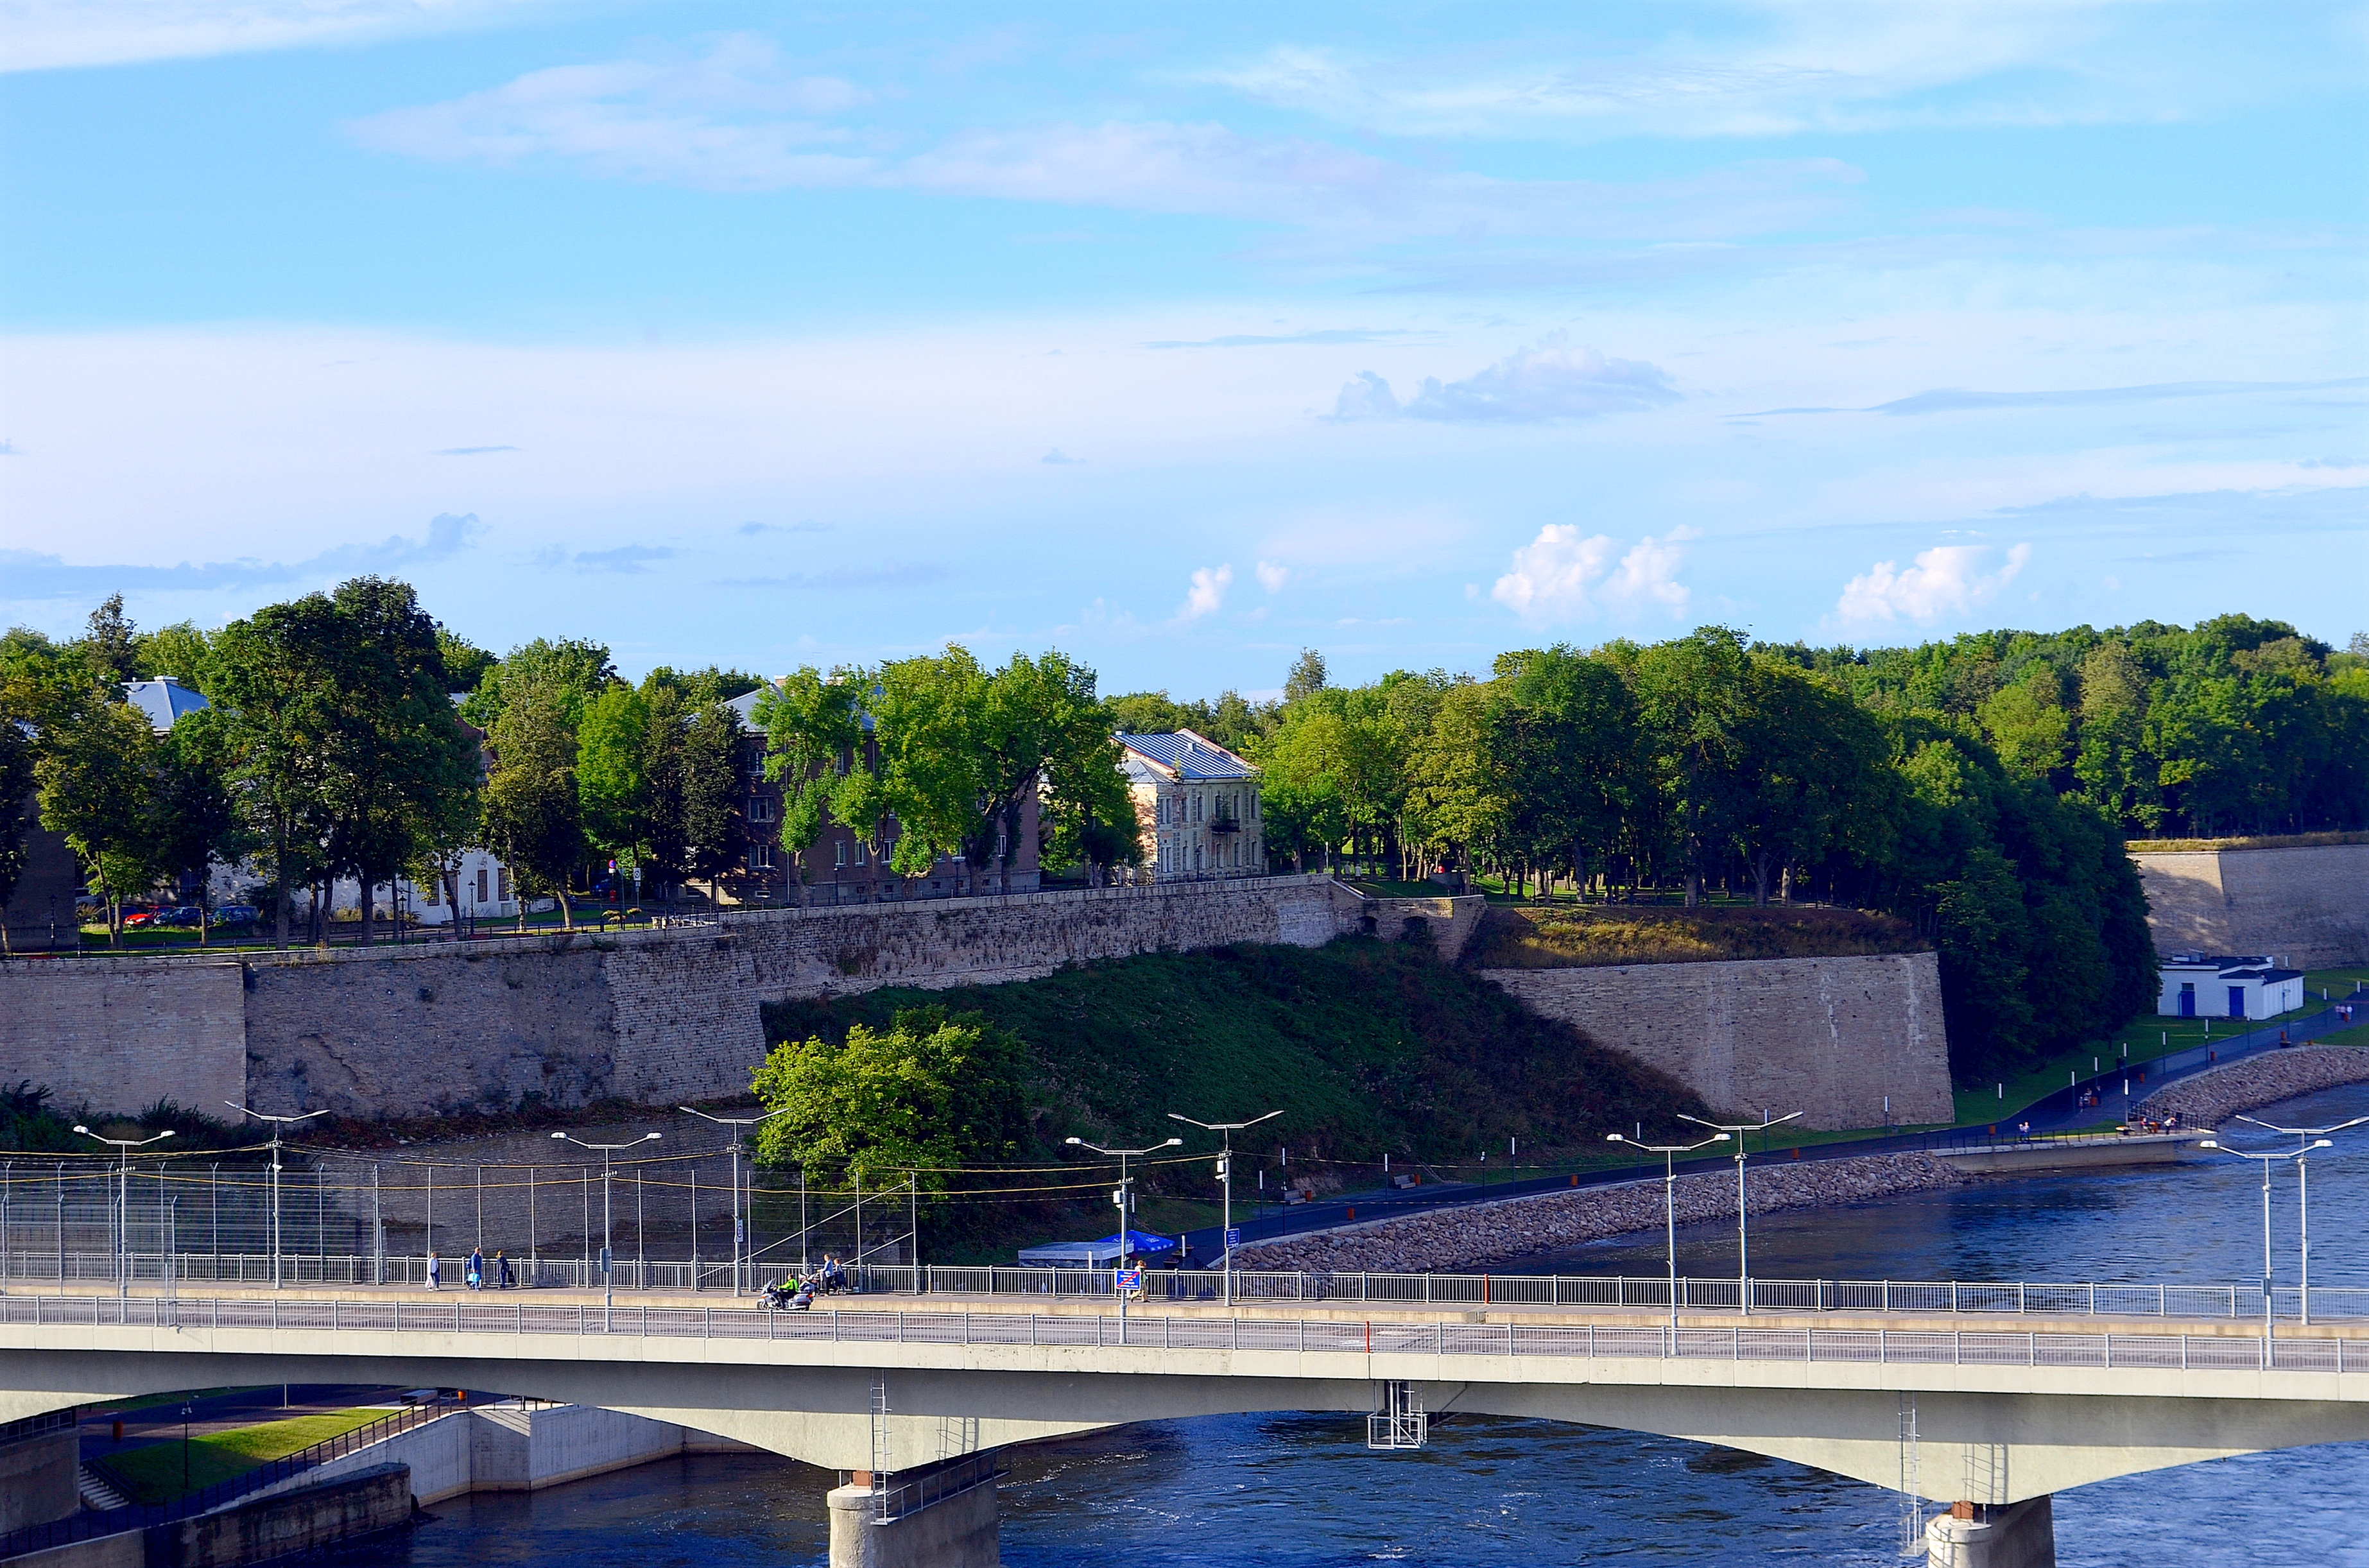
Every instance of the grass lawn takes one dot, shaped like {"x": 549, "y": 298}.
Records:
{"x": 152, "y": 1474}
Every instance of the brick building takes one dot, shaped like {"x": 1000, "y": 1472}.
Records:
{"x": 1196, "y": 806}
{"x": 844, "y": 866}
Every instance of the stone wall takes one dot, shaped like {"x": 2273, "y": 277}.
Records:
{"x": 1831, "y": 1038}
{"x": 121, "y": 1034}
{"x": 650, "y": 1018}
{"x": 2308, "y": 904}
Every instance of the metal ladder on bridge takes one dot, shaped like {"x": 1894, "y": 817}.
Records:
{"x": 1912, "y": 1503}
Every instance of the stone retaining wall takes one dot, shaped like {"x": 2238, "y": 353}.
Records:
{"x": 1831, "y": 1038}
{"x": 1476, "y": 1236}
{"x": 2308, "y": 903}
{"x": 2209, "y": 1099}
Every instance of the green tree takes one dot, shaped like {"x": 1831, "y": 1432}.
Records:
{"x": 713, "y": 789}
{"x": 929, "y": 1094}
{"x": 465, "y": 664}
{"x": 275, "y": 683}
{"x": 196, "y": 825}
{"x": 814, "y": 738}
{"x": 613, "y": 784}
{"x": 181, "y": 650}
{"x": 96, "y": 777}
{"x": 533, "y": 816}
{"x": 571, "y": 667}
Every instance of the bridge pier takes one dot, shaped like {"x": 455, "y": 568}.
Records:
{"x": 1977, "y": 1535}
{"x": 940, "y": 1516}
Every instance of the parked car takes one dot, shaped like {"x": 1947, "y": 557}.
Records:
{"x": 236, "y": 914}
{"x": 179, "y": 915}
{"x": 132, "y": 917}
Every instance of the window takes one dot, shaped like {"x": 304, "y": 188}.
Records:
{"x": 481, "y": 885}
{"x": 503, "y": 883}
{"x": 859, "y": 851}
{"x": 761, "y": 858}
{"x": 838, "y": 853}
{"x": 761, "y": 808}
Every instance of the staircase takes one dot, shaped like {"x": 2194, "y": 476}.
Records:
{"x": 98, "y": 1492}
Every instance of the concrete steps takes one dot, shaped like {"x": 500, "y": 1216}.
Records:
{"x": 98, "y": 1492}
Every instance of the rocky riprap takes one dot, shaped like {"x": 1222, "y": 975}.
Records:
{"x": 2212, "y": 1098}
{"x": 1475, "y": 1236}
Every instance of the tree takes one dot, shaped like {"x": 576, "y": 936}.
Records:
{"x": 465, "y": 664}
{"x": 196, "y": 826}
{"x": 1307, "y": 677}
{"x": 612, "y": 786}
{"x": 1693, "y": 697}
{"x": 574, "y": 668}
{"x": 712, "y": 785}
{"x": 533, "y": 816}
{"x": 16, "y": 790}
{"x": 814, "y": 737}
{"x": 931, "y": 1093}
{"x": 180, "y": 650}
{"x": 274, "y": 682}
{"x": 111, "y": 644}
{"x": 96, "y": 778}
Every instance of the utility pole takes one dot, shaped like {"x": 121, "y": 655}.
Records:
{"x": 1123, "y": 1198}
{"x": 122, "y": 1208}
{"x": 736, "y": 1123}
{"x": 276, "y": 1123}
{"x": 1670, "y": 1153}
{"x": 608, "y": 1284}
{"x": 1742, "y": 1258}
{"x": 1226, "y": 1130}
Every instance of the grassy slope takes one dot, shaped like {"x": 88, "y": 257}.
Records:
{"x": 152, "y": 1474}
{"x": 1550, "y": 936}
{"x": 1365, "y": 1045}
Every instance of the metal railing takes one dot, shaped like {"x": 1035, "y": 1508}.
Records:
{"x": 94, "y": 1522}
{"x": 1733, "y": 1342}
{"x": 910, "y": 1492}
{"x": 2046, "y": 1298}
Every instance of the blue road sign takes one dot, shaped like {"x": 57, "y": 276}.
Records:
{"x": 1234, "y": 1237}
{"x": 1130, "y": 1280}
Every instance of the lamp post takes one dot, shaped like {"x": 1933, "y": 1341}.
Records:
{"x": 123, "y": 1203}
{"x": 608, "y": 1284}
{"x": 1670, "y": 1153}
{"x": 2302, "y": 1186}
{"x": 1743, "y": 1257}
{"x": 1123, "y": 1198}
{"x": 2266, "y": 1157}
{"x": 276, "y": 1123}
{"x": 1226, "y": 1130}
{"x": 737, "y": 1137}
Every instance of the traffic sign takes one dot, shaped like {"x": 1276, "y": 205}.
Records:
{"x": 1130, "y": 1280}
{"x": 1235, "y": 1238}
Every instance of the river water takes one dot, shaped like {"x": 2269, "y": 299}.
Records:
{"x": 1303, "y": 1491}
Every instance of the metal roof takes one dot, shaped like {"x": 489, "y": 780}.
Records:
{"x": 163, "y": 701}
{"x": 1188, "y": 756}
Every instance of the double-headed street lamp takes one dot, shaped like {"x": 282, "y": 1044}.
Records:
{"x": 276, "y": 1123}
{"x": 123, "y": 1203}
{"x": 735, "y": 1122}
{"x": 1124, "y": 1199}
{"x": 1743, "y": 1257}
{"x": 608, "y": 1288}
{"x": 1670, "y": 1153}
{"x": 2267, "y": 1157}
{"x": 2303, "y": 1185}
{"x": 1226, "y": 1131}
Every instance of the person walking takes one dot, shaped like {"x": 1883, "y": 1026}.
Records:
{"x": 502, "y": 1275}
{"x": 477, "y": 1273}
{"x": 435, "y": 1271}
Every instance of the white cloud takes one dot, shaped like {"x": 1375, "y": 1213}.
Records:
{"x": 1207, "y": 595}
{"x": 1552, "y": 381}
{"x": 737, "y": 119}
{"x": 1272, "y": 577}
{"x": 1945, "y": 580}
{"x": 1559, "y": 576}
{"x": 46, "y": 34}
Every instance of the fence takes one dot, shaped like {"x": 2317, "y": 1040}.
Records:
{"x": 1736, "y": 1341}
{"x": 94, "y": 1522}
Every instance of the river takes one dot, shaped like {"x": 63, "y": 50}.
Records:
{"x": 1303, "y": 1491}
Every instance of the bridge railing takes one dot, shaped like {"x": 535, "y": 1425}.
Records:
{"x": 1738, "y": 1341}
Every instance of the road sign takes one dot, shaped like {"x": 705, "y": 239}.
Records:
{"x": 1235, "y": 1238}
{"x": 1130, "y": 1280}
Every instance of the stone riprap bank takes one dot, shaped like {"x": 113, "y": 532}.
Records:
{"x": 1849, "y": 1042}
{"x": 2308, "y": 903}
{"x": 649, "y": 1017}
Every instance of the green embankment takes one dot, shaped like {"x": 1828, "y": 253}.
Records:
{"x": 1546, "y": 935}
{"x": 1365, "y": 1045}
{"x": 154, "y": 1473}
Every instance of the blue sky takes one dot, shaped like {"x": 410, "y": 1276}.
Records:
{"x": 769, "y": 335}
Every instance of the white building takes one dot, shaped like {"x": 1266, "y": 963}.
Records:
{"x": 1196, "y": 806}
{"x": 2200, "y": 985}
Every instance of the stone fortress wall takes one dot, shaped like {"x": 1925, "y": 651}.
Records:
{"x": 2306, "y": 903}
{"x": 661, "y": 1017}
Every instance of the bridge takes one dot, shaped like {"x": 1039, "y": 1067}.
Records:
{"x": 1975, "y": 1409}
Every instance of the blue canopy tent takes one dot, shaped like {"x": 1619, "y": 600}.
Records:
{"x": 1102, "y": 1254}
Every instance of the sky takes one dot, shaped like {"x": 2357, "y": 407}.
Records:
{"x": 772, "y": 335}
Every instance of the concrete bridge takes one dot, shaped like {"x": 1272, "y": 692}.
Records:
{"x": 1968, "y": 1410}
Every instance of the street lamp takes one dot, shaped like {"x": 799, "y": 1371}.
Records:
{"x": 2266, "y": 1157}
{"x": 1670, "y": 1153}
{"x": 2302, "y": 1186}
{"x": 1742, "y": 1258}
{"x": 1226, "y": 1130}
{"x": 276, "y": 1123}
{"x": 608, "y": 1284}
{"x": 732, "y": 1122}
{"x": 123, "y": 1203}
{"x": 1123, "y": 1198}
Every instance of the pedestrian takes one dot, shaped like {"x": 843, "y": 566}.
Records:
{"x": 435, "y": 1271}
{"x": 477, "y": 1269}
{"x": 502, "y": 1269}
